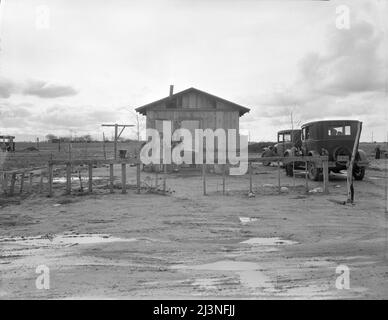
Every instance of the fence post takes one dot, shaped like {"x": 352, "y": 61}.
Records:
{"x": 68, "y": 178}
{"x": 123, "y": 178}
{"x": 164, "y": 177}
{"x": 21, "y": 182}
{"x": 279, "y": 186}
{"x": 41, "y": 182}
{"x": 204, "y": 178}
{"x": 13, "y": 180}
{"x": 138, "y": 177}
{"x": 50, "y": 179}
{"x": 30, "y": 183}
{"x": 306, "y": 176}
{"x": 223, "y": 178}
{"x": 5, "y": 182}
{"x": 90, "y": 177}
{"x": 325, "y": 165}
{"x": 111, "y": 177}
{"x": 250, "y": 176}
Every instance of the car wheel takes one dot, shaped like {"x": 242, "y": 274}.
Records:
{"x": 313, "y": 171}
{"x": 358, "y": 173}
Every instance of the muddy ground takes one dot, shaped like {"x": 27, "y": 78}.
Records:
{"x": 186, "y": 245}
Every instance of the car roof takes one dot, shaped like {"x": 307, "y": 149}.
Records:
{"x": 333, "y": 122}
{"x": 288, "y": 130}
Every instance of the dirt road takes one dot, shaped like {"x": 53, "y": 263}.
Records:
{"x": 186, "y": 245}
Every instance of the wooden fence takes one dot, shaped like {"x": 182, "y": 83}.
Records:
{"x": 321, "y": 162}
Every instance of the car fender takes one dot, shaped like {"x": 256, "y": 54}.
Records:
{"x": 361, "y": 156}
{"x": 287, "y": 153}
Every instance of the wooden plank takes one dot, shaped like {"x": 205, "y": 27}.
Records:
{"x": 279, "y": 185}
{"x": 12, "y": 188}
{"x": 115, "y": 142}
{"x": 5, "y": 183}
{"x": 123, "y": 178}
{"x": 30, "y": 182}
{"x": 77, "y": 162}
{"x": 164, "y": 177}
{"x": 138, "y": 177}
{"x": 90, "y": 181}
{"x": 204, "y": 179}
{"x": 317, "y": 159}
{"x": 68, "y": 178}
{"x": 111, "y": 177}
{"x": 350, "y": 188}
{"x": 325, "y": 177}
{"x": 223, "y": 178}
{"x": 250, "y": 177}
{"x": 50, "y": 180}
{"x": 306, "y": 176}
{"x": 41, "y": 182}
{"x": 21, "y": 183}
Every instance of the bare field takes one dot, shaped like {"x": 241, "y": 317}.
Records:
{"x": 28, "y": 156}
{"x": 186, "y": 245}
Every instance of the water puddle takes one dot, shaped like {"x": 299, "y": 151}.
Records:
{"x": 64, "y": 240}
{"x": 248, "y": 272}
{"x": 275, "y": 241}
{"x": 245, "y": 220}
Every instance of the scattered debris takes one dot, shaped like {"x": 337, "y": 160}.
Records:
{"x": 284, "y": 190}
{"x": 245, "y": 220}
{"x": 316, "y": 190}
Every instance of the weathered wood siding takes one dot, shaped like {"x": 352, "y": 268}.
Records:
{"x": 212, "y": 114}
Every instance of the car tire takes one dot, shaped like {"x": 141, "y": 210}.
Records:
{"x": 313, "y": 171}
{"x": 358, "y": 173}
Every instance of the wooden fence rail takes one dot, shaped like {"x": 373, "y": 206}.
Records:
{"x": 320, "y": 161}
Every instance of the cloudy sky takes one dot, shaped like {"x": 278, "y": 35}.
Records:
{"x": 68, "y": 66}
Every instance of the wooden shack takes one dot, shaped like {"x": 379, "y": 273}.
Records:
{"x": 193, "y": 109}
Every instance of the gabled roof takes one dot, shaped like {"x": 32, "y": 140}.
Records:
{"x": 143, "y": 109}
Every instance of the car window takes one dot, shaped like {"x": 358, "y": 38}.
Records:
{"x": 305, "y": 133}
{"x": 338, "y": 131}
{"x": 287, "y": 137}
{"x": 280, "y": 137}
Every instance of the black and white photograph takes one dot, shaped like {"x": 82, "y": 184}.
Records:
{"x": 210, "y": 151}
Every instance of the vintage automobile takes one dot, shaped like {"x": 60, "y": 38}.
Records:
{"x": 7, "y": 143}
{"x": 334, "y": 138}
{"x": 286, "y": 140}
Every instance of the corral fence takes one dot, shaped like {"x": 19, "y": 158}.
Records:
{"x": 9, "y": 178}
{"x": 319, "y": 161}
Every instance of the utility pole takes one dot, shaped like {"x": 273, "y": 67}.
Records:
{"x": 117, "y": 135}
